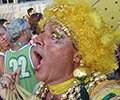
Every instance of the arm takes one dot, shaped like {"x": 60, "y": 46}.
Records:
{"x": 1, "y": 63}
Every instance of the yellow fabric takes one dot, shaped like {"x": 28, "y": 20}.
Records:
{"x": 105, "y": 88}
{"x": 96, "y": 43}
{"x": 18, "y": 93}
{"x": 61, "y": 87}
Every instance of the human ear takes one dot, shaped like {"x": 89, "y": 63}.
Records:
{"x": 76, "y": 60}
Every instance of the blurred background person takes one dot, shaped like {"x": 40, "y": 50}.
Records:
{"x": 19, "y": 54}
{"x": 33, "y": 21}
{"x": 4, "y": 46}
{"x": 4, "y": 41}
{"x": 30, "y": 11}
{"x": 4, "y": 22}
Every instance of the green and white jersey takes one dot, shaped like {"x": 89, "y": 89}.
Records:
{"x": 22, "y": 58}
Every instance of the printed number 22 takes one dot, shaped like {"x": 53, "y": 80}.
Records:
{"x": 21, "y": 62}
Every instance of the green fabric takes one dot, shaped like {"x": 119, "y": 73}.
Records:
{"x": 84, "y": 93}
{"x": 21, "y": 58}
{"x": 110, "y": 95}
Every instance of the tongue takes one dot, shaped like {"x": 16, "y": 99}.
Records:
{"x": 37, "y": 63}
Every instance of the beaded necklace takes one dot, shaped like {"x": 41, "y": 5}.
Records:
{"x": 73, "y": 92}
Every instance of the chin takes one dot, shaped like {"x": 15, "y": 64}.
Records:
{"x": 39, "y": 77}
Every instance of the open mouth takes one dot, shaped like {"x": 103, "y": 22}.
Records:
{"x": 37, "y": 60}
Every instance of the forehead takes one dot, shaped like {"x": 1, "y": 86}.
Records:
{"x": 52, "y": 26}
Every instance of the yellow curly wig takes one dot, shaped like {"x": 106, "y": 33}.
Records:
{"x": 95, "y": 41}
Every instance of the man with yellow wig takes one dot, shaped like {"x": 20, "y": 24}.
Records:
{"x": 72, "y": 47}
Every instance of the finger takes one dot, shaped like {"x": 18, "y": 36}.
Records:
{"x": 16, "y": 75}
{"x": 4, "y": 43}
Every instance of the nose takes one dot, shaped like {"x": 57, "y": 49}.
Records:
{"x": 39, "y": 40}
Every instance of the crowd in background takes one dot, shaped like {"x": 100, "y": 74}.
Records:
{"x": 31, "y": 17}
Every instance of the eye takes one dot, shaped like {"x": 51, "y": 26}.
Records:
{"x": 55, "y": 35}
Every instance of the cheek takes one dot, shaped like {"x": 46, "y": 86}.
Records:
{"x": 58, "y": 53}
{"x": 59, "y": 48}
